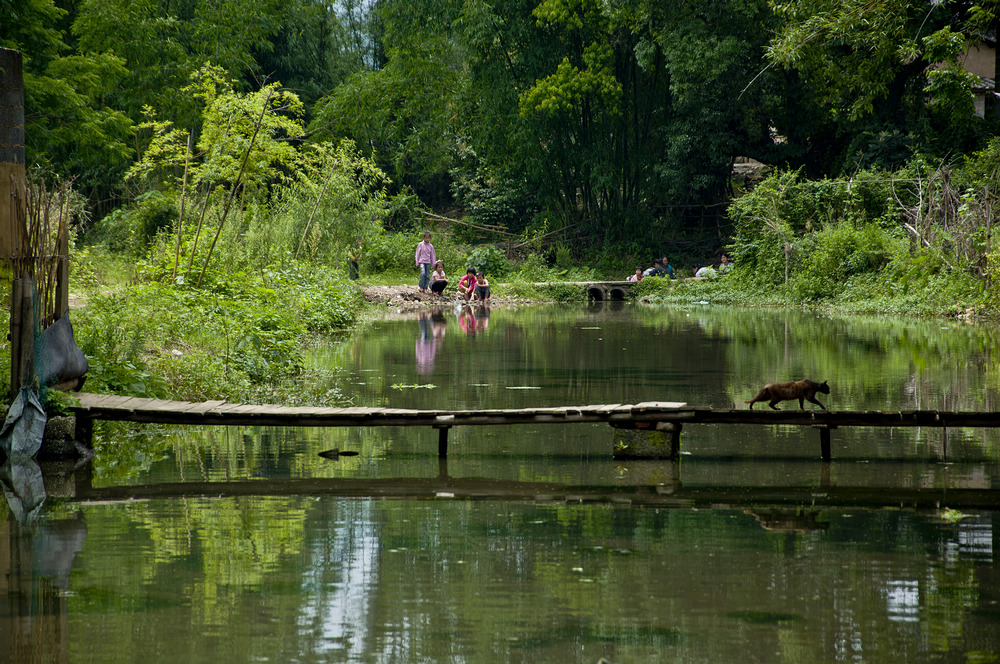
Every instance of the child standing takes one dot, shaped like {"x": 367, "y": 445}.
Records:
{"x": 424, "y": 258}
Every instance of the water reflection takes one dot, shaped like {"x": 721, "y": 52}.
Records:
{"x": 34, "y": 625}
{"x": 473, "y": 319}
{"x": 24, "y": 489}
{"x": 317, "y": 578}
{"x": 530, "y": 543}
{"x": 706, "y": 356}
{"x": 432, "y": 327}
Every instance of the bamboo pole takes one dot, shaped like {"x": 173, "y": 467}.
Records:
{"x": 313, "y": 214}
{"x": 180, "y": 217}
{"x": 236, "y": 184}
{"x": 208, "y": 198}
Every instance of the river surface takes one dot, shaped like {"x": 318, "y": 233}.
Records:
{"x": 531, "y": 543}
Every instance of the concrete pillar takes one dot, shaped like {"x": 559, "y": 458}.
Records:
{"x": 660, "y": 441}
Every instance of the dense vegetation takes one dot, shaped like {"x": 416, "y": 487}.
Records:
{"x": 228, "y": 155}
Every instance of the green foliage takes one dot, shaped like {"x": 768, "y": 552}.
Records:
{"x": 829, "y": 258}
{"x": 488, "y": 259}
{"x": 782, "y": 221}
{"x": 333, "y": 197}
{"x": 489, "y": 202}
{"x": 154, "y": 339}
{"x": 132, "y": 229}
{"x": 608, "y": 115}
{"x": 69, "y": 128}
{"x": 652, "y": 288}
{"x": 321, "y": 299}
{"x": 864, "y": 69}
{"x": 113, "y": 337}
{"x": 249, "y": 136}
{"x": 543, "y": 292}
{"x": 404, "y": 113}
{"x": 391, "y": 252}
{"x": 532, "y": 269}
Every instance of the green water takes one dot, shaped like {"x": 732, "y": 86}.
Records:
{"x": 530, "y": 543}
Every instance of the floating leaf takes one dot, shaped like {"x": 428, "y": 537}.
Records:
{"x": 952, "y": 515}
{"x": 425, "y": 386}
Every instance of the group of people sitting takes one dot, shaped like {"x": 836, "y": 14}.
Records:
{"x": 661, "y": 268}
{"x": 707, "y": 271}
{"x": 472, "y": 284}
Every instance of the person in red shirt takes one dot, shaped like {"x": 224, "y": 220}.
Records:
{"x": 467, "y": 284}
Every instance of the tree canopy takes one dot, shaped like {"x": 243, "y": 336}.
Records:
{"x": 617, "y": 123}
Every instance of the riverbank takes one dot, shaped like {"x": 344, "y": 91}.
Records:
{"x": 934, "y": 296}
{"x": 408, "y": 298}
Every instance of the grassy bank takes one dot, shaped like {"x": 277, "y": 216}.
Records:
{"x": 937, "y": 296}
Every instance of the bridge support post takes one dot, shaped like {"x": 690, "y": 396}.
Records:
{"x": 84, "y": 431}
{"x": 673, "y": 431}
{"x": 824, "y": 442}
{"x": 442, "y": 441}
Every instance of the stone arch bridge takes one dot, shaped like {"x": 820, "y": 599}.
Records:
{"x": 606, "y": 290}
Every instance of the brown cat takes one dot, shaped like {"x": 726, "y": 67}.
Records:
{"x": 803, "y": 390}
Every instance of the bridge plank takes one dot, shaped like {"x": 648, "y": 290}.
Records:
{"x": 204, "y": 407}
{"x": 157, "y": 405}
{"x": 89, "y": 400}
{"x": 98, "y": 406}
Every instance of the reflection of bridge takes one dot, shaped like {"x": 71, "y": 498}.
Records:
{"x": 647, "y": 430}
{"x": 665, "y": 495}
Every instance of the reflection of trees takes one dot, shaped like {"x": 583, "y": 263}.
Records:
{"x": 36, "y": 563}
{"x": 294, "y": 579}
{"x": 368, "y": 580}
{"x": 340, "y": 571}
{"x": 704, "y": 355}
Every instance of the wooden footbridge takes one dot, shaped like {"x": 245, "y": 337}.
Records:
{"x": 665, "y": 418}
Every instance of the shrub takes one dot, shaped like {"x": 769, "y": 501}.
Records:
{"x": 830, "y": 257}
{"x": 132, "y": 229}
{"x": 488, "y": 259}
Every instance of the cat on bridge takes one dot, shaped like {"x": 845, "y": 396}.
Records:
{"x": 803, "y": 390}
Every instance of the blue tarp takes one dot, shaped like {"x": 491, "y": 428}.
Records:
{"x": 22, "y": 432}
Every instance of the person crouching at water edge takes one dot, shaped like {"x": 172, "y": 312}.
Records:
{"x": 424, "y": 258}
{"x": 482, "y": 287}
{"x": 438, "y": 280}
{"x": 467, "y": 284}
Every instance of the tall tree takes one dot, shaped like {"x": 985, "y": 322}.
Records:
{"x": 615, "y": 115}
{"x": 71, "y": 129}
{"x": 404, "y": 113}
{"x": 884, "y": 76}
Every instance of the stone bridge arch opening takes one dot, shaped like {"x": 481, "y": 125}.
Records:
{"x": 602, "y": 292}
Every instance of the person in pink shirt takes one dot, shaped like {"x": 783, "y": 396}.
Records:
{"x": 467, "y": 284}
{"x": 637, "y": 276}
{"x": 424, "y": 258}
